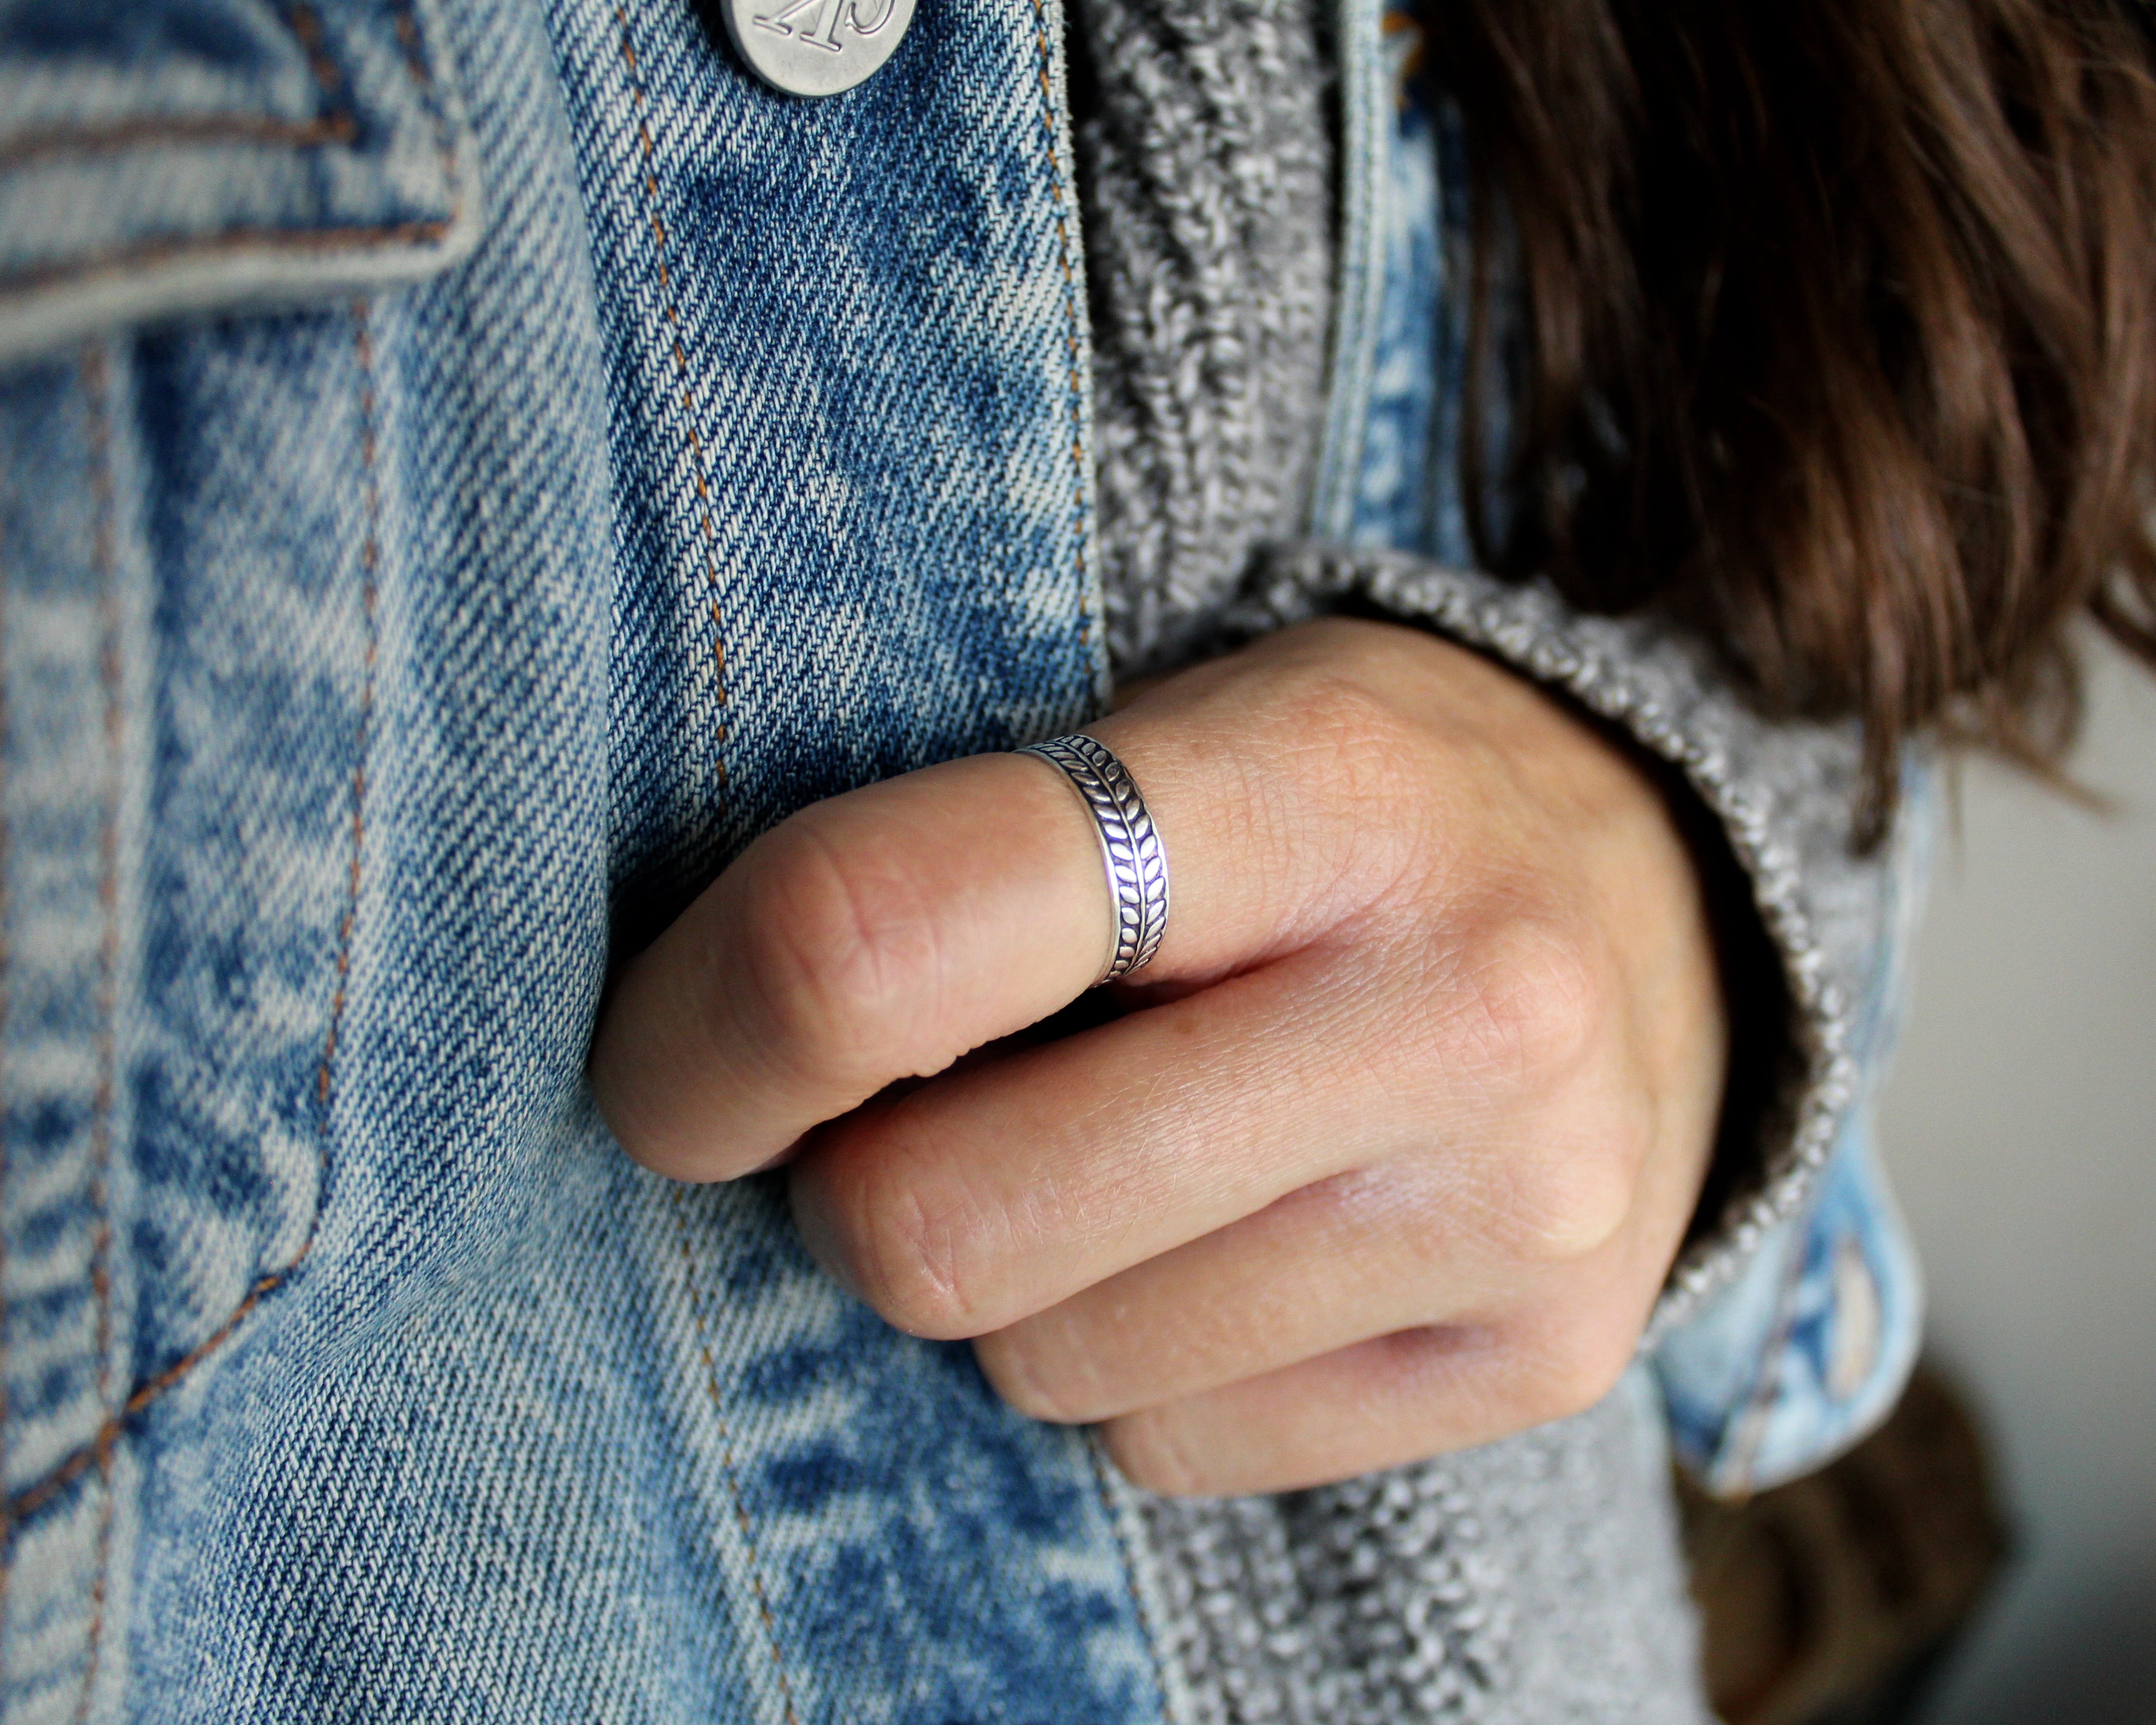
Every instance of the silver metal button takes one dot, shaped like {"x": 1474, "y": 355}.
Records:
{"x": 816, "y": 48}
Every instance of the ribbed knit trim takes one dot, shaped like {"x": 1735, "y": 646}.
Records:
{"x": 1533, "y": 1582}
{"x": 1205, "y": 161}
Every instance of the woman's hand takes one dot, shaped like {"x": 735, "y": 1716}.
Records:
{"x": 1393, "y": 1158}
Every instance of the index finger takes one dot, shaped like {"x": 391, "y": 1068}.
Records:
{"x": 875, "y": 937}
{"x": 882, "y": 934}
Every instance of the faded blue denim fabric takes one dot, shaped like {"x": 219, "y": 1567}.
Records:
{"x": 850, "y": 407}
{"x": 374, "y": 666}
{"x": 1407, "y": 373}
{"x": 1391, "y": 478}
{"x": 1808, "y": 1349}
{"x": 266, "y": 151}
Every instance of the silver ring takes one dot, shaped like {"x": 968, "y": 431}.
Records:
{"x": 1130, "y": 847}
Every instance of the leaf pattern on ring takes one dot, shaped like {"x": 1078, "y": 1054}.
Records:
{"x": 1129, "y": 843}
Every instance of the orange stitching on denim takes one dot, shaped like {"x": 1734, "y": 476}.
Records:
{"x": 726, "y": 1454}
{"x": 407, "y": 38}
{"x": 1070, "y": 285}
{"x": 104, "y": 559}
{"x": 680, "y": 357}
{"x": 303, "y": 24}
{"x": 122, "y": 259}
{"x": 336, "y": 127}
{"x": 100, "y": 1580}
{"x": 119, "y": 260}
{"x": 33, "y": 1497}
{"x": 422, "y": 76}
{"x": 204, "y": 128}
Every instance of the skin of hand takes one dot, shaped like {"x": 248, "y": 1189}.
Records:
{"x": 1390, "y": 1153}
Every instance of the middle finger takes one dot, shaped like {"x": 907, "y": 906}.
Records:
{"x": 991, "y": 1194}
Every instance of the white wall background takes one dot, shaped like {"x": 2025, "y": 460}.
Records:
{"x": 2020, "y": 1127}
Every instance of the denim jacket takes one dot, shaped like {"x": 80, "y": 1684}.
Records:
{"x": 465, "y": 470}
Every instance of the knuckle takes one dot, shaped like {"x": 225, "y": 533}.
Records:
{"x": 832, "y": 946}
{"x": 1569, "y": 1197}
{"x": 1573, "y": 1371}
{"x": 908, "y": 1248}
{"x": 1351, "y": 745}
{"x": 1344, "y": 776}
{"x": 1530, "y": 1003}
{"x": 885, "y": 1215}
{"x": 1059, "y": 1387}
{"x": 1153, "y": 1451}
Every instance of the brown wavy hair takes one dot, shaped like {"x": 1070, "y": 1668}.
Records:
{"x": 1837, "y": 338}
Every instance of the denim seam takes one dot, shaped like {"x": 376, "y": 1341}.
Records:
{"x": 370, "y": 559}
{"x": 697, "y": 458}
{"x": 1073, "y": 332}
{"x": 1174, "y": 1705}
{"x": 32, "y": 1498}
{"x": 307, "y": 30}
{"x": 207, "y": 129}
{"x": 7, "y": 954}
{"x": 123, "y": 259}
{"x": 97, "y": 395}
{"x": 97, "y": 1451}
{"x": 302, "y": 23}
{"x": 726, "y": 1461}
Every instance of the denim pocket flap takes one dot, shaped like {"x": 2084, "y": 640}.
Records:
{"x": 159, "y": 157}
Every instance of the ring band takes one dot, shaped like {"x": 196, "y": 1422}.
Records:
{"x": 1130, "y": 847}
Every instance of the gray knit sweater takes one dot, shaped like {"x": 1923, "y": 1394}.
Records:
{"x": 1536, "y": 1579}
